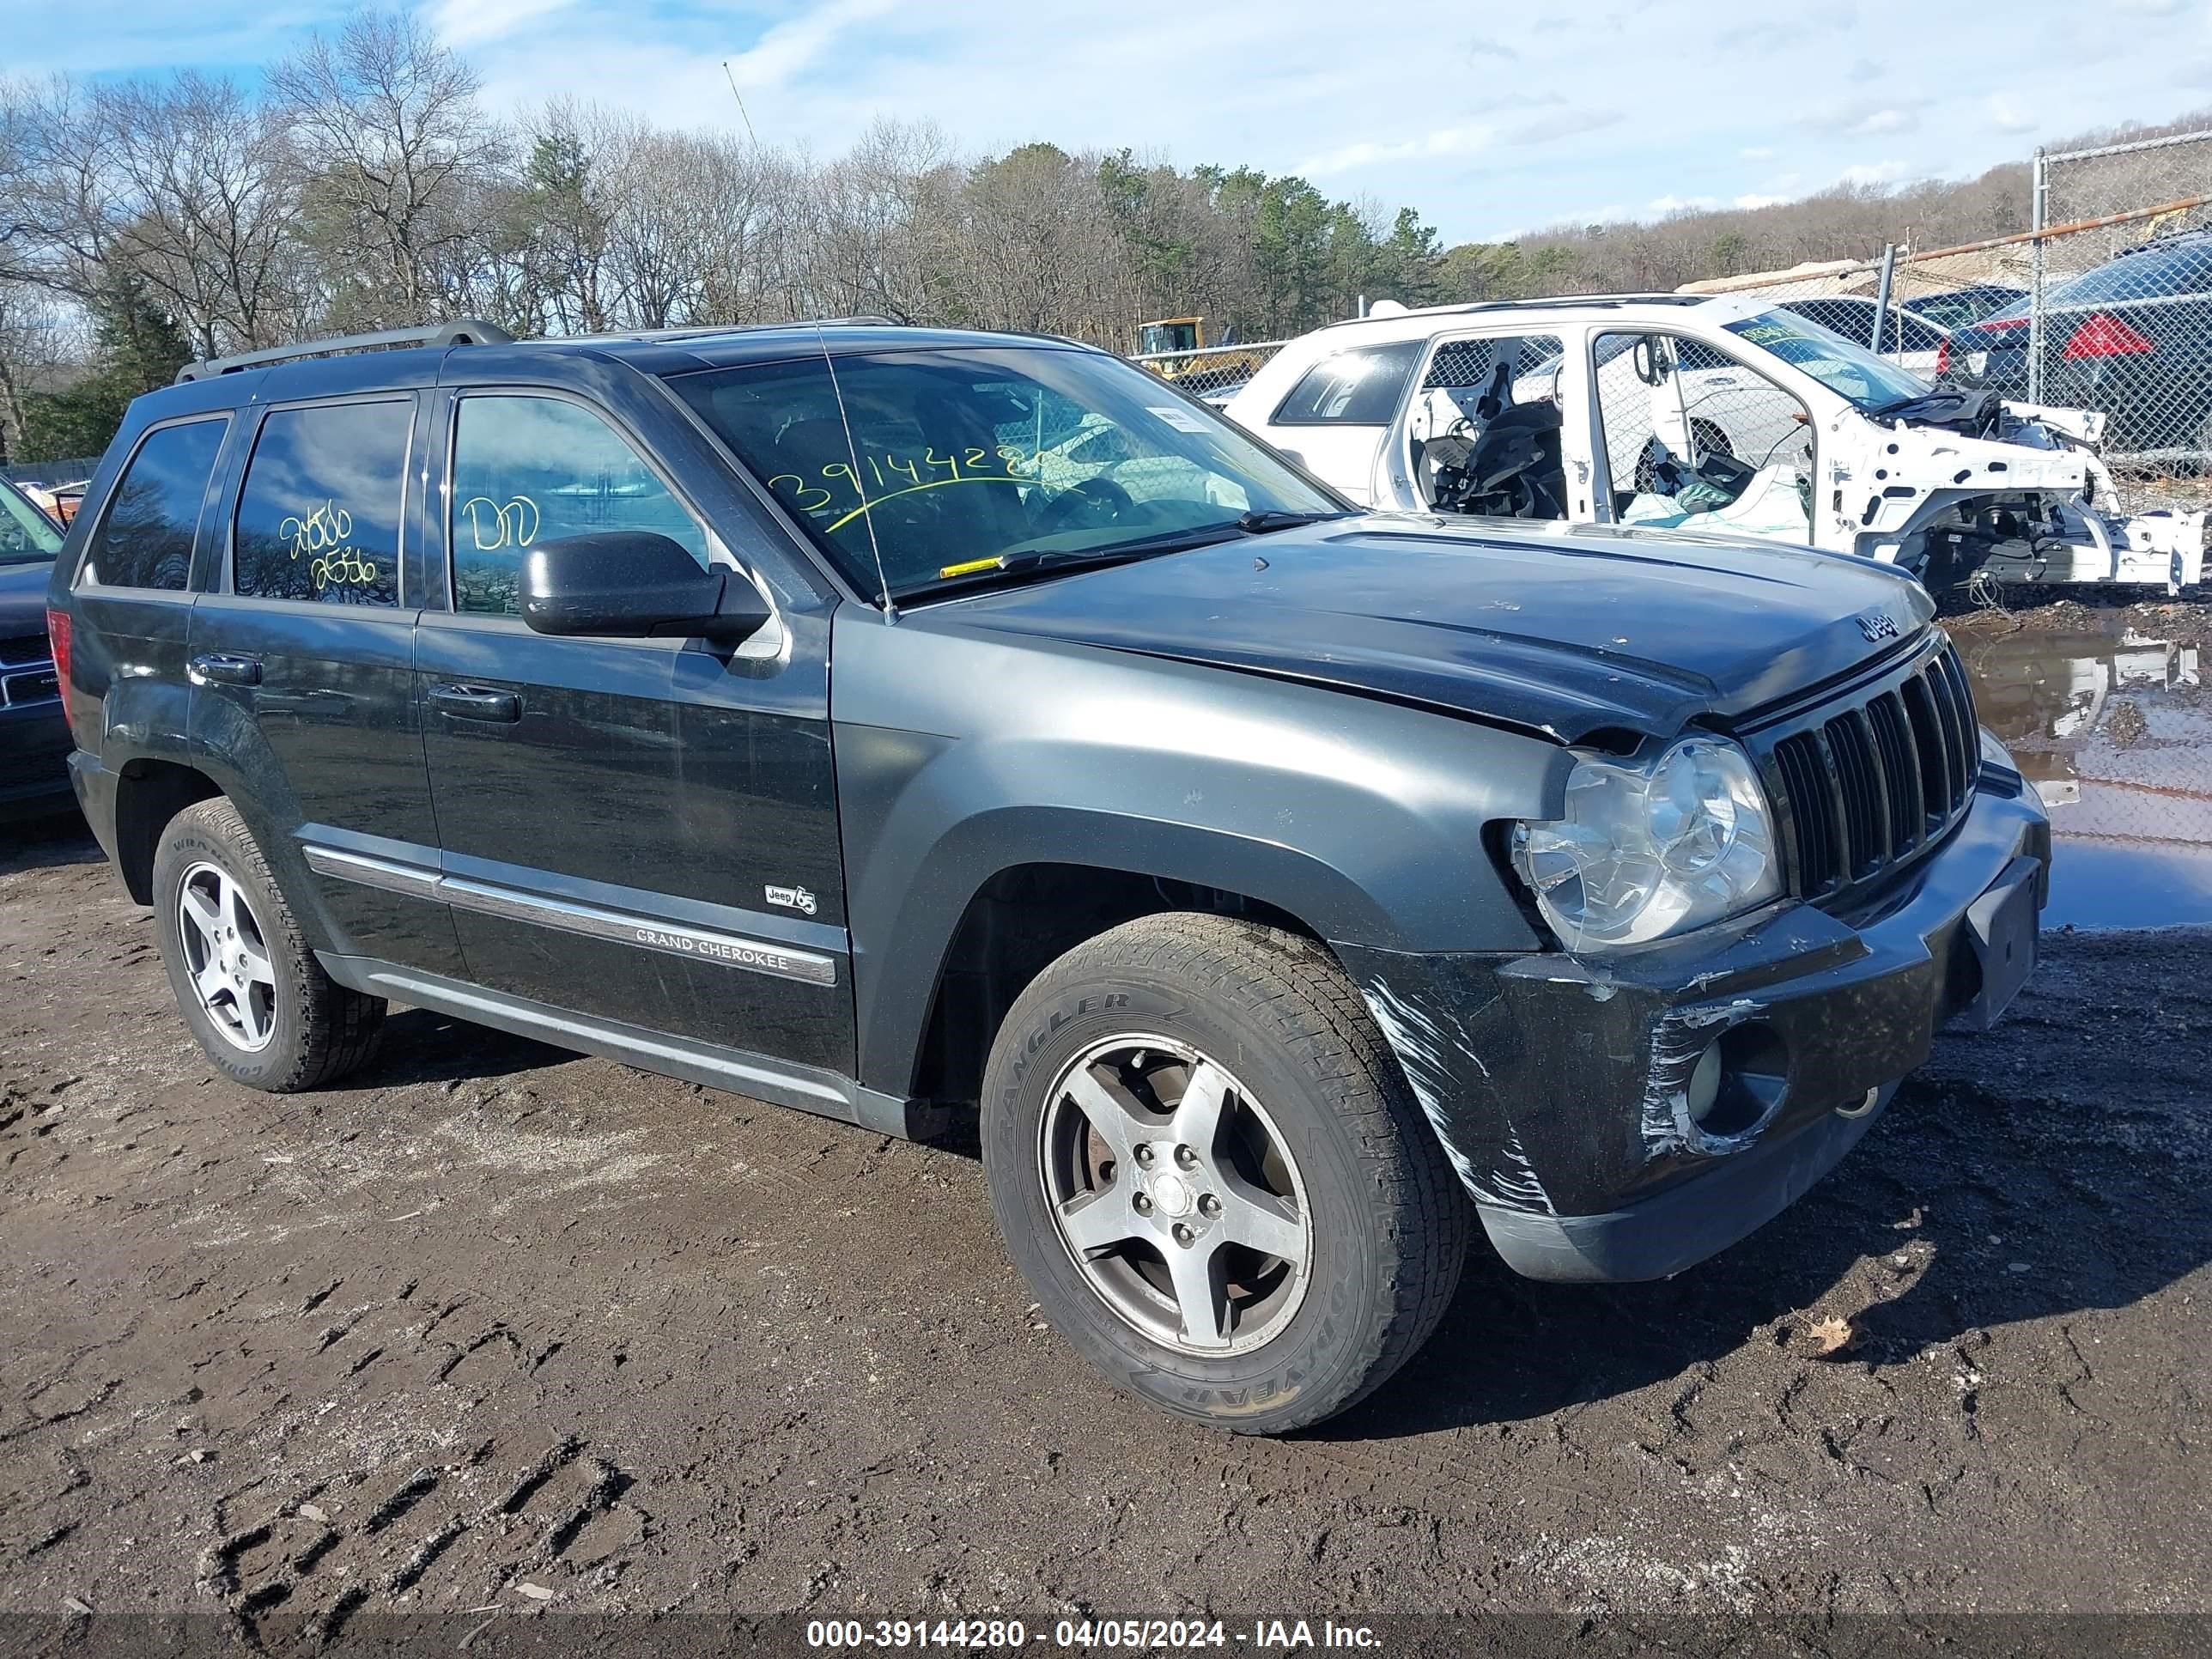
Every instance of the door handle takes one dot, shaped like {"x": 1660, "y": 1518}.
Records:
{"x": 476, "y": 702}
{"x": 223, "y": 668}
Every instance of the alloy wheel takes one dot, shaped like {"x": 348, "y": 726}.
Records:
{"x": 1176, "y": 1196}
{"x": 226, "y": 955}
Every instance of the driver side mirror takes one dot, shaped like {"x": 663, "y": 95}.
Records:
{"x": 635, "y": 584}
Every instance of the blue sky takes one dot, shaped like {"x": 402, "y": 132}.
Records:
{"x": 1487, "y": 117}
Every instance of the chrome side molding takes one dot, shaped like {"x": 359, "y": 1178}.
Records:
{"x": 676, "y": 938}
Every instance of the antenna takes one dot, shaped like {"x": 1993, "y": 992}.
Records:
{"x": 853, "y": 455}
{"x": 734, "y": 93}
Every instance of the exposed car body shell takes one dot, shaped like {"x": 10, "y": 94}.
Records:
{"x": 1881, "y": 489}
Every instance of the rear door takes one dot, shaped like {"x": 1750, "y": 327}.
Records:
{"x": 642, "y": 831}
{"x": 1332, "y": 421}
{"x": 130, "y": 596}
{"x": 304, "y": 659}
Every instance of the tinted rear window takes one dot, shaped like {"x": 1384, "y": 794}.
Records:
{"x": 146, "y": 539}
{"x": 318, "y": 516}
{"x": 1359, "y": 387}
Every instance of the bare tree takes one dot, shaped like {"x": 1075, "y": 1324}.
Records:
{"x": 387, "y": 121}
{"x": 207, "y": 196}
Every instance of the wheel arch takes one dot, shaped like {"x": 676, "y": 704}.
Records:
{"x": 148, "y": 793}
{"x": 1021, "y": 920}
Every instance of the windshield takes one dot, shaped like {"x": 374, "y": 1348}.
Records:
{"x": 961, "y": 459}
{"x": 27, "y": 535}
{"x": 1844, "y": 367}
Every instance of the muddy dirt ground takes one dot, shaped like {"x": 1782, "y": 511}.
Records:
{"x": 493, "y": 1331}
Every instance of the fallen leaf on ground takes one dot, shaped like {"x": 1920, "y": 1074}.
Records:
{"x": 535, "y": 1592}
{"x": 1833, "y": 1335}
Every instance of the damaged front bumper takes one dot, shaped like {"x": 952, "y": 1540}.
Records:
{"x": 1625, "y": 1118}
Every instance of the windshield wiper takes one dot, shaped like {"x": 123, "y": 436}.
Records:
{"x": 1261, "y": 522}
{"x": 1030, "y": 561}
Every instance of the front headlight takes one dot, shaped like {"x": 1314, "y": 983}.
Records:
{"x": 1646, "y": 851}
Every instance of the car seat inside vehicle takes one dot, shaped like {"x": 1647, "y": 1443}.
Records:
{"x": 1480, "y": 449}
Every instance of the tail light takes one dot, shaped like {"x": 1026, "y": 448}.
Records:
{"x": 2106, "y": 335}
{"x": 1943, "y": 356}
{"x": 57, "y": 635}
{"x": 1999, "y": 324}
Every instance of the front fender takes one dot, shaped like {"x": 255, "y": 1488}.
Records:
{"x": 960, "y": 757}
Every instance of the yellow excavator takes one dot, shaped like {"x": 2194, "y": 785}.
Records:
{"x": 1213, "y": 367}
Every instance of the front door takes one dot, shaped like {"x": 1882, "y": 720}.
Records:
{"x": 638, "y": 831}
{"x": 1694, "y": 437}
{"x": 1487, "y": 430}
{"x": 305, "y": 663}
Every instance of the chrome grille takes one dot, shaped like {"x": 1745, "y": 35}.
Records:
{"x": 27, "y": 672}
{"x": 1867, "y": 786}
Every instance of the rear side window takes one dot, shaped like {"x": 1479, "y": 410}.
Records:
{"x": 147, "y": 538}
{"x": 530, "y": 470}
{"x": 318, "y": 516}
{"x": 1357, "y": 388}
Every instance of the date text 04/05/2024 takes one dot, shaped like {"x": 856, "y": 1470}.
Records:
{"x": 1280, "y": 1635}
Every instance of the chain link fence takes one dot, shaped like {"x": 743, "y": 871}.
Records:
{"x": 1212, "y": 373}
{"x": 2105, "y": 305}
{"x": 2119, "y": 318}
{"x": 71, "y": 470}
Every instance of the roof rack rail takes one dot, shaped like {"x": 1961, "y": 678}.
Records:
{"x": 469, "y": 331}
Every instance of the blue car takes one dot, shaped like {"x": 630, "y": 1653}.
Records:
{"x": 34, "y": 740}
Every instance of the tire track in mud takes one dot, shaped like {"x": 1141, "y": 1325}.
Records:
{"x": 756, "y": 1362}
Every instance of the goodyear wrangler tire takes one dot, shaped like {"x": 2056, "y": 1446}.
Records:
{"x": 1205, "y": 1161}
{"x": 248, "y": 984}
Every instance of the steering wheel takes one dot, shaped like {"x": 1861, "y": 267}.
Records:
{"x": 1093, "y": 501}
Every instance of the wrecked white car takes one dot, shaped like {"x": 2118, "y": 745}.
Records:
{"x": 1721, "y": 415}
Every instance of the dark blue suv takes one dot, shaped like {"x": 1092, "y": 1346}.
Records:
{"x": 34, "y": 740}
{"x": 892, "y": 724}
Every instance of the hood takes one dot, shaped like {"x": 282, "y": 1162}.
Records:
{"x": 1563, "y": 628}
{"x": 23, "y": 597}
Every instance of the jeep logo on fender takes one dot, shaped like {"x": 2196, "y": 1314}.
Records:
{"x": 1876, "y": 624}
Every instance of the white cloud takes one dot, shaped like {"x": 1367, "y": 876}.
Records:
{"x": 1757, "y": 152}
{"x": 2006, "y": 116}
{"x": 1881, "y": 120}
{"x": 1864, "y": 116}
{"x": 1563, "y": 124}
{"x": 1444, "y": 141}
{"x": 790, "y": 48}
{"x": 1758, "y": 201}
{"x": 466, "y": 23}
{"x": 1665, "y": 204}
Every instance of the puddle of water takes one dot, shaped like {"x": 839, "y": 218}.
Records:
{"x": 2115, "y": 732}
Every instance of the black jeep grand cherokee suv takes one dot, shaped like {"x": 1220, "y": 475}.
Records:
{"x": 882, "y": 721}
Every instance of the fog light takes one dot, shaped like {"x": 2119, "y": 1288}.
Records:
{"x": 1704, "y": 1087}
{"x": 1737, "y": 1084}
